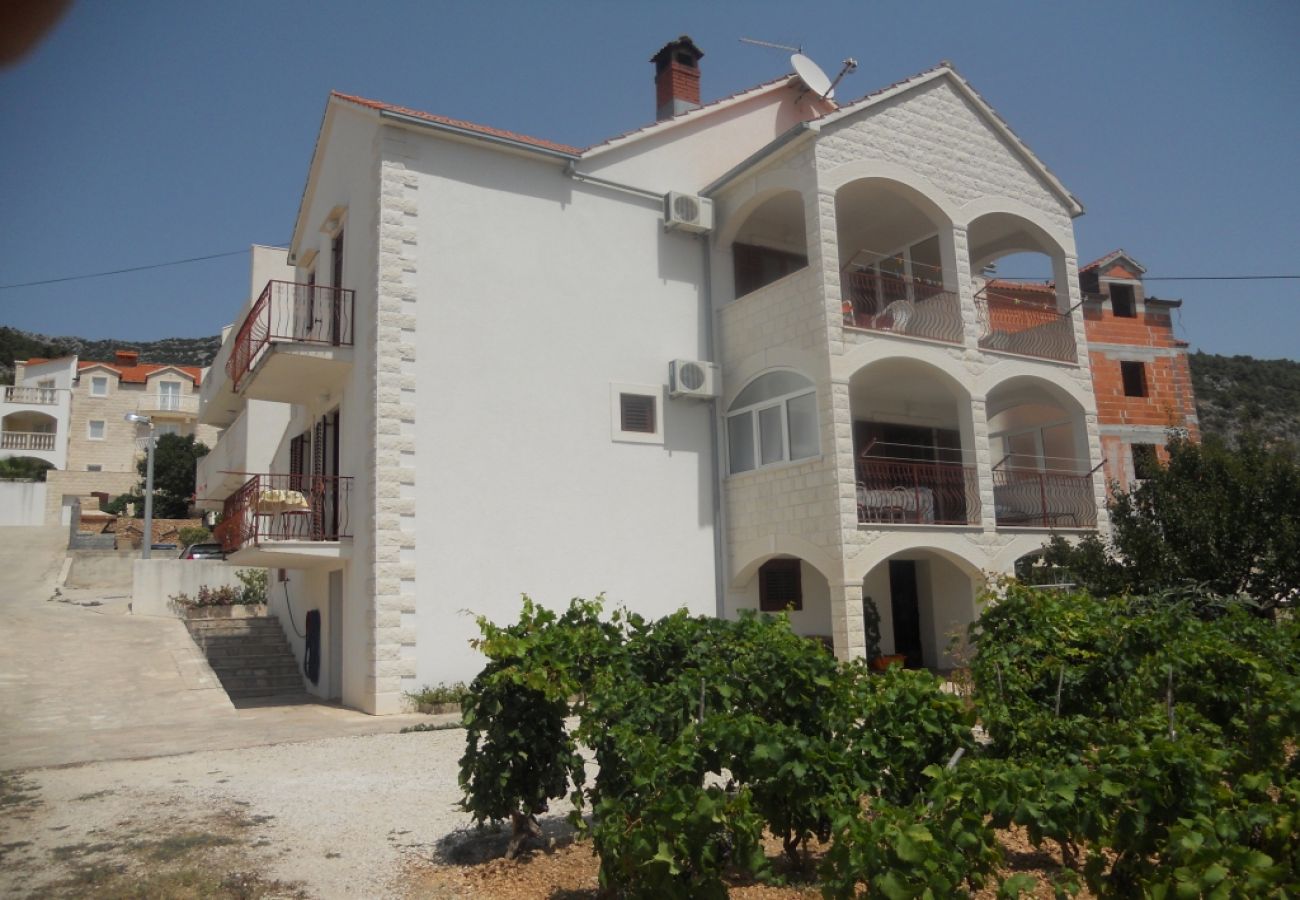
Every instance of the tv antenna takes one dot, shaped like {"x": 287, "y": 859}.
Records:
{"x": 771, "y": 45}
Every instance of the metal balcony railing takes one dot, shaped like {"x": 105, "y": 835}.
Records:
{"x": 917, "y": 492}
{"x": 35, "y": 395}
{"x": 283, "y": 507}
{"x": 1025, "y": 327}
{"x": 27, "y": 440}
{"x": 909, "y": 306}
{"x": 165, "y": 403}
{"x": 1036, "y": 498}
{"x": 285, "y": 311}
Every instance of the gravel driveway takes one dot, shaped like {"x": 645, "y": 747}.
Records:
{"x": 340, "y": 817}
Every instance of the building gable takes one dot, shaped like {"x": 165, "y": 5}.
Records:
{"x": 939, "y": 127}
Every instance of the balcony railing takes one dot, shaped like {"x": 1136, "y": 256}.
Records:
{"x": 1026, "y": 327}
{"x": 910, "y": 306}
{"x": 27, "y": 440}
{"x": 285, "y": 508}
{"x": 301, "y": 313}
{"x": 35, "y": 395}
{"x": 1034, "y": 498}
{"x": 912, "y": 492}
{"x": 165, "y": 403}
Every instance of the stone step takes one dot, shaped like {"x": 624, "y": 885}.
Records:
{"x": 268, "y": 670}
{"x": 220, "y": 656}
{"x": 256, "y": 682}
{"x": 298, "y": 696}
{"x": 234, "y": 626}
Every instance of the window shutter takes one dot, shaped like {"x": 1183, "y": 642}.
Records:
{"x": 779, "y": 585}
{"x": 637, "y": 413}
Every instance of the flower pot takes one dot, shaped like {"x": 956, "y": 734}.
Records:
{"x": 881, "y": 663}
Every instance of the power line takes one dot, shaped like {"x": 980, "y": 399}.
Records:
{"x": 161, "y": 265}
{"x": 1169, "y": 278}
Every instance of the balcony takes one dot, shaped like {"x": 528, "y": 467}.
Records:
{"x": 38, "y": 441}
{"x": 32, "y": 396}
{"x": 913, "y": 307}
{"x": 1037, "y": 498}
{"x": 911, "y": 492}
{"x": 1026, "y": 327}
{"x": 295, "y": 342}
{"x": 169, "y": 406}
{"x": 287, "y": 521}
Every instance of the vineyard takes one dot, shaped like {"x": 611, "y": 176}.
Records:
{"x": 1150, "y": 741}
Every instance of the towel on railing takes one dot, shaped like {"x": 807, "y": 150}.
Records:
{"x": 275, "y": 500}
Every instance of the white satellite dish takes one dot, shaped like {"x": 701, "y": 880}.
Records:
{"x": 812, "y": 76}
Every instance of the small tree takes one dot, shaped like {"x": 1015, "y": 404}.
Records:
{"x": 1224, "y": 519}
{"x": 175, "y": 458}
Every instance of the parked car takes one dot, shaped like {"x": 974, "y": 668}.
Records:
{"x": 203, "y": 551}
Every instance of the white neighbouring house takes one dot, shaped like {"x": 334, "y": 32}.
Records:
{"x": 456, "y": 387}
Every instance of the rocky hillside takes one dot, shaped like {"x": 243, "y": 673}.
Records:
{"x": 1235, "y": 393}
{"x": 16, "y": 344}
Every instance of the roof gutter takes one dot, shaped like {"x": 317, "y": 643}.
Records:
{"x": 794, "y": 134}
{"x": 476, "y": 135}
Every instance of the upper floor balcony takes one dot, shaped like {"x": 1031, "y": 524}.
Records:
{"x": 287, "y": 520}
{"x": 168, "y": 405}
{"x": 295, "y": 342}
{"x": 915, "y": 306}
{"x": 32, "y": 396}
{"x": 1016, "y": 319}
{"x": 40, "y": 441}
{"x": 34, "y": 432}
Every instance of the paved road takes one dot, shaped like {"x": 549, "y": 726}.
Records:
{"x": 84, "y": 683}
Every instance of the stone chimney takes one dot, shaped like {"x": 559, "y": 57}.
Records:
{"x": 126, "y": 358}
{"x": 677, "y": 78}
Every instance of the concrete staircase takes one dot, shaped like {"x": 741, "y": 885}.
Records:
{"x": 250, "y": 657}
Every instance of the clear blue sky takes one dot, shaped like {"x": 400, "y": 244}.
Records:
{"x": 146, "y": 131}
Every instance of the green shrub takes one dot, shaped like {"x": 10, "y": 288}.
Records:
{"x": 437, "y": 694}
{"x": 254, "y": 583}
{"x": 194, "y": 534}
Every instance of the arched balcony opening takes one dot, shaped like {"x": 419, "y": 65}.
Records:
{"x": 1042, "y": 473}
{"x": 926, "y": 602}
{"x": 893, "y": 242}
{"x": 771, "y": 244}
{"x": 1021, "y": 290}
{"x": 912, "y": 440}
{"x": 791, "y": 585}
{"x": 28, "y": 430}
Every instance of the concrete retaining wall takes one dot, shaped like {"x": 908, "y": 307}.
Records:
{"x": 108, "y": 569}
{"x": 22, "y": 503}
{"x": 157, "y": 580}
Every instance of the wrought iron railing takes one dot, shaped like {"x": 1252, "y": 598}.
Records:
{"x": 285, "y": 311}
{"x": 1036, "y": 498}
{"x": 168, "y": 403}
{"x": 911, "y": 306}
{"x": 27, "y": 440}
{"x": 35, "y": 395}
{"x": 284, "y": 507}
{"x": 917, "y": 492}
{"x": 1025, "y": 327}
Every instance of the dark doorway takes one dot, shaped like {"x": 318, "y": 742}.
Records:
{"x": 907, "y": 612}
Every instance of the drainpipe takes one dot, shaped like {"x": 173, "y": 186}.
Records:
{"x": 719, "y": 514}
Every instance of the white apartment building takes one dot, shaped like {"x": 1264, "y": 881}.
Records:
{"x": 70, "y": 413}
{"x": 743, "y": 357}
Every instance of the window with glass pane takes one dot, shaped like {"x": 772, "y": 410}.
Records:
{"x": 773, "y": 419}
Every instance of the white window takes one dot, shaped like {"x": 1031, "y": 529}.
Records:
{"x": 99, "y": 386}
{"x": 95, "y": 429}
{"x": 637, "y": 413}
{"x": 169, "y": 395}
{"x": 773, "y": 420}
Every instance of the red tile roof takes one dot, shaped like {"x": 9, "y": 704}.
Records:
{"x": 485, "y": 130}
{"x": 139, "y": 373}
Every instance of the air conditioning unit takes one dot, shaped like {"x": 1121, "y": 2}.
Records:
{"x": 693, "y": 378}
{"x": 687, "y": 212}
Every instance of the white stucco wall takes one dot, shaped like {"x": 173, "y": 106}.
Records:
{"x": 22, "y": 503}
{"x": 535, "y": 293}
{"x": 156, "y": 581}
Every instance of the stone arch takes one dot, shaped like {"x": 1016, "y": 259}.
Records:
{"x": 929, "y": 195}
{"x": 748, "y": 196}
{"x": 749, "y": 368}
{"x": 1060, "y": 383}
{"x": 748, "y": 557}
{"x": 866, "y": 354}
{"x": 957, "y": 548}
{"x": 1036, "y": 222}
